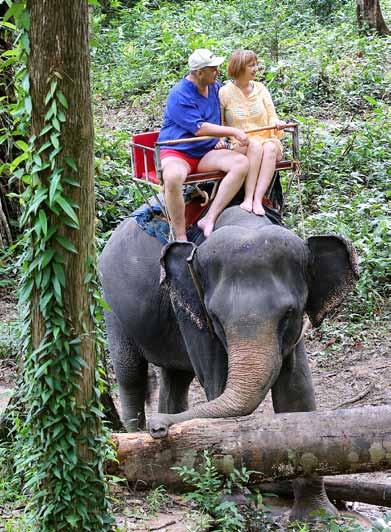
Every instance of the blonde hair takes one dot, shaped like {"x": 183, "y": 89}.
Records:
{"x": 238, "y": 62}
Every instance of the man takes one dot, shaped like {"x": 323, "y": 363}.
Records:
{"x": 193, "y": 110}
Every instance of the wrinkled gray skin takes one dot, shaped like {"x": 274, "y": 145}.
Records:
{"x": 256, "y": 280}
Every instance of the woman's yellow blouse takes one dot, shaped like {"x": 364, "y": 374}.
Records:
{"x": 249, "y": 112}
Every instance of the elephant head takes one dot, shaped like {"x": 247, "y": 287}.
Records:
{"x": 240, "y": 298}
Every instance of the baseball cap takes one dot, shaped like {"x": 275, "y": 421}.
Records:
{"x": 202, "y": 58}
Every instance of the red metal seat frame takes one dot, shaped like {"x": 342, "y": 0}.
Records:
{"x": 147, "y": 170}
{"x": 146, "y": 163}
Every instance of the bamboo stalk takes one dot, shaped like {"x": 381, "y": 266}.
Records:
{"x": 196, "y": 139}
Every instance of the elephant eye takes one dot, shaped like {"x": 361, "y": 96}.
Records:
{"x": 289, "y": 312}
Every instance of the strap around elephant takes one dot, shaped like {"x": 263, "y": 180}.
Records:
{"x": 199, "y": 290}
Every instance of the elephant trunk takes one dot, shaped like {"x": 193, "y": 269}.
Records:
{"x": 253, "y": 366}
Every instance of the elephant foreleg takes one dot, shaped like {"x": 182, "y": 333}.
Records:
{"x": 174, "y": 388}
{"x": 131, "y": 370}
{"x": 293, "y": 392}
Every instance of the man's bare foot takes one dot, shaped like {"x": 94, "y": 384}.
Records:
{"x": 181, "y": 238}
{"x": 247, "y": 205}
{"x": 258, "y": 209}
{"x": 206, "y": 226}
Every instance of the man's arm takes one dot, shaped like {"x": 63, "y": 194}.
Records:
{"x": 214, "y": 130}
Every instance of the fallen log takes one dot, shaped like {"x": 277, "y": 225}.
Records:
{"x": 351, "y": 490}
{"x": 283, "y": 446}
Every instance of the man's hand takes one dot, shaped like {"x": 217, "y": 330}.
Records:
{"x": 240, "y": 136}
{"x": 280, "y": 124}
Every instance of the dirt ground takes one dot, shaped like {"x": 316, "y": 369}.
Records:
{"x": 351, "y": 367}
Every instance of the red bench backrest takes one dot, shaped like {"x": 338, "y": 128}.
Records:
{"x": 146, "y": 139}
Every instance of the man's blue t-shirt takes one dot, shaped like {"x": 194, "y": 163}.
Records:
{"x": 185, "y": 112}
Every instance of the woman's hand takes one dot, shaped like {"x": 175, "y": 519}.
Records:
{"x": 221, "y": 145}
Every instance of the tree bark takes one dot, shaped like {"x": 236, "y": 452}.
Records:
{"x": 59, "y": 43}
{"x": 340, "y": 489}
{"x": 281, "y": 447}
{"x": 369, "y": 16}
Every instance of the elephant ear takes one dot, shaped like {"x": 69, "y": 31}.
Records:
{"x": 332, "y": 273}
{"x": 180, "y": 278}
{"x": 184, "y": 291}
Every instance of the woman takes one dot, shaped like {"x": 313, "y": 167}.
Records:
{"x": 246, "y": 104}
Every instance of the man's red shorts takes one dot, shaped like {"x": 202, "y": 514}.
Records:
{"x": 191, "y": 161}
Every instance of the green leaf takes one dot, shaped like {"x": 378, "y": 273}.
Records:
{"x": 43, "y": 221}
{"x": 59, "y": 272}
{"x": 53, "y": 86}
{"x": 26, "y": 291}
{"x": 71, "y": 181}
{"x": 47, "y": 128}
{"x": 54, "y": 140}
{"x": 57, "y": 287}
{"x": 52, "y": 111}
{"x": 16, "y": 162}
{"x": 48, "y": 97}
{"x": 43, "y": 303}
{"x": 71, "y": 163}
{"x": 28, "y": 105}
{"x": 22, "y": 145}
{"x": 62, "y": 99}
{"x": 56, "y": 123}
{"x": 46, "y": 258}
{"x": 66, "y": 243}
{"x": 72, "y": 520}
{"x": 67, "y": 208}
{"x": 371, "y": 100}
{"x": 55, "y": 186}
{"x": 44, "y": 146}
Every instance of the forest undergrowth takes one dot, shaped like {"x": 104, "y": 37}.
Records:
{"x": 320, "y": 72}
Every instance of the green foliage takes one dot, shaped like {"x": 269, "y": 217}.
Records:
{"x": 63, "y": 444}
{"x": 346, "y": 191}
{"x": 326, "y": 522}
{"x": 319, "y": 71}
{"x": 61, "y": 481}
{"x": 156, "y": 499}
{"x": 211, "y": 491}
{"x": 116, "y": 196}
{"x": 9, "y": 339}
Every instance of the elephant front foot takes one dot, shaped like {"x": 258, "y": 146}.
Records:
{"x": 311, "y": 500}
{"x": 158, "y": 425}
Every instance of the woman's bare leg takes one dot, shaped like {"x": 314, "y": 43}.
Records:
{"x": 254, "y": 155}
{"x": 271, "y": 154}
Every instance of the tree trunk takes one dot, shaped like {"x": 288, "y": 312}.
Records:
{"x": 59, "y": 43}
{"x": 369, "y": 17}
{"x": 340, "y": 489}
{"x": 280, "y": 447}
{"x": 62, "y": 242}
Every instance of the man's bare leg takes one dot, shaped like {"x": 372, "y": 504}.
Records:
{"x": 271, "y": 154}
{"x": 175, "y": 172}
{"x": 236, "y": 166}
{"x": 254, "y": 155}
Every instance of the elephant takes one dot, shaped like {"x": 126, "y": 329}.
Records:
{"x": 228, "y": 310}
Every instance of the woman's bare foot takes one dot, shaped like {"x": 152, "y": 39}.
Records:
{"x": 247, "y": 205}
{"x": 206, "y": 225}
{"x": 258, "y": 208}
